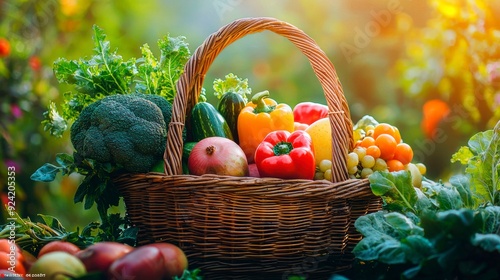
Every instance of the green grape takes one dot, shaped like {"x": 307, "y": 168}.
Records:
{"x": 352, "y": 160}
{"x": 380, "y": 165}
{"x": 421, "y": 168}
{"x": 358, "y": 134}
{"x": 328, "y": 175}
{"x": 360, "y": 151}
{"x": 368, "y": 161}
{"x": 366, "y": 172}
{"x": 353, "y": 170}
{"x": 325, "y": 165}
{"x": 319, "y": 175}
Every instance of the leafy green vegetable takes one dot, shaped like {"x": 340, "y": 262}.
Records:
{"x": 107, "y": 73}
{"x": 53, "y": 122}
{"x": 484, "y": 165}
{"x": 390, "y": 238}
{"x": 396, "y": 188}
{"x": 194, "y": 274}
{"x": 232, "y": 83}
{"x": 160, "y": 77}
{"x": 101, "y": 156}
{"x": 441, "y": 230}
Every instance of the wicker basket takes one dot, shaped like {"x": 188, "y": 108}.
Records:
{"x": 247, "y": 227}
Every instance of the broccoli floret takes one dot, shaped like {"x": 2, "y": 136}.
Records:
{"x": 125, "y": 130}
{"x": 165, "y": 106}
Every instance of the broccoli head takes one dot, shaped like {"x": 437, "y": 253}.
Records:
{"x": 125, "y": 130}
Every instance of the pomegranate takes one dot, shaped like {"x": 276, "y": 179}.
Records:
{"x": 217, "y": 155}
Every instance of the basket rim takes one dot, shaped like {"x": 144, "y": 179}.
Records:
{"x": 245, "y": 186}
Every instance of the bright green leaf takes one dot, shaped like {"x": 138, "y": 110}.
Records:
{"x": 396, "y": 189}
{"x": 463, "y": 155}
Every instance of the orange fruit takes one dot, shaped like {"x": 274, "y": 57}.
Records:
{"x": 403, "y": 153}
{"x": 367, "y": 142}
{"x": 395, "y": 165}
{"x": 385, "y": 128}
{"x": 373, "y": 151}
{"x": 387, "y": 146}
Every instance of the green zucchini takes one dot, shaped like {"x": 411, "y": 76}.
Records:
{"x": 229, "y": 107}
{"x": 206, "y": 121}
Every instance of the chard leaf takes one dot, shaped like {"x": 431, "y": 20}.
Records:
{"x": 484, "y": 167}
{"x": 450, "y": 226}
{"x": 448, "y": 198}
{"x": 423, "y": 202}
{"x": 402, "y": 224}
{"x": 462, "y": 185}
{"x": 443, "y": 197}
{"x": 396, "y": 189}
{"x": 489, "y": 242}
{"x": 479, "y": 142}
{"x": 391, "y": 238}
{"x": 491, "y": 219}
{"x": 160, "y": 76}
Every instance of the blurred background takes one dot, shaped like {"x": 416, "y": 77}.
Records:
{"x": 431, "y": 68}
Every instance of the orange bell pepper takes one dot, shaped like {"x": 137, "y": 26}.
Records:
{"x": 260, "y": 117}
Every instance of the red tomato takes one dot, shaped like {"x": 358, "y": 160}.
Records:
{"x": 8, "y": 246}
{"x": 9, "y": 261}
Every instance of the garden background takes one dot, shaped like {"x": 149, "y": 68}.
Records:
{"x": 431, "y": 68}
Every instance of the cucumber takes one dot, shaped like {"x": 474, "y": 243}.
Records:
{"x": 206, "y": 121}
{"x": 229, "y": 107}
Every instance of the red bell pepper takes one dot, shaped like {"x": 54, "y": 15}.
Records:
{"x": 309, "y": 112}
{"x": 286, "y": 155}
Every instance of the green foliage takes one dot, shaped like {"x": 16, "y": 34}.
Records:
{"x": 232, "y": 83}
{"x": 482, "y": 160}
{"x": 444, "y": 231}
{"x": 32, "y": 236}
{"x": 112, "y": 131}
{"x": 107, "y": 73}
{"x": 194, "y": 274}
{"x": 160, "y": 77}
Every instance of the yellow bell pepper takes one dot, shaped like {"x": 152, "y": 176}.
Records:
{"x": 258, "y": 118}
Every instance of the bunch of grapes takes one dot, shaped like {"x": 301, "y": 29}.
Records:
{"x": 380, "y": 148}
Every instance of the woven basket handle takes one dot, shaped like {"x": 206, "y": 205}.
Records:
{"x": 190, "y": 84}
